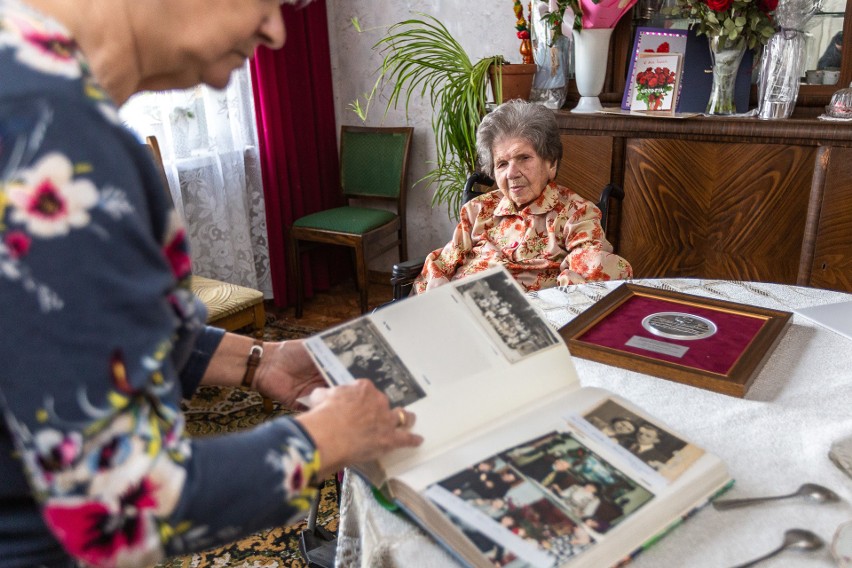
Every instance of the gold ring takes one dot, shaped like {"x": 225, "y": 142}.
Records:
{"x": 400, "y": 413}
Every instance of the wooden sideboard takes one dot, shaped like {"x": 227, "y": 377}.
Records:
{"x": 729, "y": 198}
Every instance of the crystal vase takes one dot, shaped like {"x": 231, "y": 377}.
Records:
{"x": 726, "y": 56}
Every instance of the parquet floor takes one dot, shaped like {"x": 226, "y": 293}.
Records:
{"x": 333, "y": 306}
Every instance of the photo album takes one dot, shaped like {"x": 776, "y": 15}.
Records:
{"x": 520, "y": 465}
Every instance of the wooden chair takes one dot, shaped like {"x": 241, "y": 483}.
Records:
{"x": 373, "y": 166}
{"x": 229, "y": 306}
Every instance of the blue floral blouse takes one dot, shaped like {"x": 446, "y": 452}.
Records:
{"x": 100, "y": 337}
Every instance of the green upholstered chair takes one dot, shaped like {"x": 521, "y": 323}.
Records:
{"x": 373, "y": 169}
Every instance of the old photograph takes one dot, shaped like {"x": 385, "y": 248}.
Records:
{"x": 658, "y": 448}
{"x": 587, "y": 487}
{"x": 507, "y": 316}
{"x": 366, "y": 355}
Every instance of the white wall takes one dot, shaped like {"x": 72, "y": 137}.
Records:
{"x": 482, "y": 27}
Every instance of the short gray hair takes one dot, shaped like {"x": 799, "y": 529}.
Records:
{"x": 532, "y": 122}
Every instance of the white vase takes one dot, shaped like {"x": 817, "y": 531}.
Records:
{"x": 591, "y": 51}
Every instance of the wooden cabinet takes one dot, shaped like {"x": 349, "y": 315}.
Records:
{"x": 739, "y": 199}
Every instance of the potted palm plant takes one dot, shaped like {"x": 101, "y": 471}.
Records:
{"x": 420, "y": 55}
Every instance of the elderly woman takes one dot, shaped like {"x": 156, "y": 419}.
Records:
{"x": 543, "y": 233}
{"x": 99, "y": 333}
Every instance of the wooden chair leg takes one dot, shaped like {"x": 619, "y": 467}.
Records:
{"x": 361, "y": 274}
{"x": 296, "y": 271}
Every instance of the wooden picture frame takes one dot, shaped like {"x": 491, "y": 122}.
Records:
{"x": 707, "y": 343}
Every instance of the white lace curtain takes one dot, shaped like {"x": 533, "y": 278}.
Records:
{"x": 208, "y": 139}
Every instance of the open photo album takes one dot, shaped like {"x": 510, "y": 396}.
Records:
{"x": 520, "y": 465}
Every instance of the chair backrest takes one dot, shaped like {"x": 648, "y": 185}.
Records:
{"x": 154, "y": 147}
{"x": 374, "y": 161}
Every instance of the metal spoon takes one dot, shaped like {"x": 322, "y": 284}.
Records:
{"x": 798, "y": 539}
{"x": 812, "y": 491}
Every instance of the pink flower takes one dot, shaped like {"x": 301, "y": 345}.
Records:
{"x": 175, "y": 251}
{"x": 96, "y": 533}
{"x": 18, "y": 243}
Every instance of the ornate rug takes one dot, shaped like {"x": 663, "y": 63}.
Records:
{"x": 214, "y": 410}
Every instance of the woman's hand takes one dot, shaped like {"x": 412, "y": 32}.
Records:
{"x": 287, "y": 373}
{"x": 354, "y": 424}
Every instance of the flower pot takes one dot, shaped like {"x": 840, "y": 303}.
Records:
{"x": 517, "y": 80}
{"x": 591, "y": 52}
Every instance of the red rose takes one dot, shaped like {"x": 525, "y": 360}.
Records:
{"x": 652, "y": 82}
{"x": 664, "y": 47}
{"x": 524, "y": 34}
{"x": 719, "y": 5}
{"x": 767, "y": 6}
{"x": 648, "y": 51}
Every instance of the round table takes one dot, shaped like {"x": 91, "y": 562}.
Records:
{"x": 773, "y": 440}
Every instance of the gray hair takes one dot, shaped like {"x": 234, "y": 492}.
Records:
{"x": 532, "y": 122}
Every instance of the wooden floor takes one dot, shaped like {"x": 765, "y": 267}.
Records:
{"x": 334, "y": 306}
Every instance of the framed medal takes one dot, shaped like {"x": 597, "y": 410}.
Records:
{"x": 703, "y": 342}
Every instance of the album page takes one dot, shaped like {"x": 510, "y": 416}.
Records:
{"x": 460, "y": 357}
{"x": 583, "y": 479}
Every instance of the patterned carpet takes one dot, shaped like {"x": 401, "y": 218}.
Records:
{"x": 214, "y": 410}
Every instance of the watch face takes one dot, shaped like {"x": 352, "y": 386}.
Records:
{"x": 679, "y": 325}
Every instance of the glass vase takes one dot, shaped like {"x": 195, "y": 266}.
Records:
{"x": 726, "y": 56}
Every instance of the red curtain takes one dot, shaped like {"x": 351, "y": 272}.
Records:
{"x": 294, "y": 105}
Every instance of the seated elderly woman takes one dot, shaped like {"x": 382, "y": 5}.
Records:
{"x": 544, "y": 234}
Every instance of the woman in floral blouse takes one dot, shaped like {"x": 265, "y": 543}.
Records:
{"x": 544, "y": 234}
{"x": 100, "y": 335}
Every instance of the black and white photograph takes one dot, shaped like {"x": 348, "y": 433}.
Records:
{"x": 505, "y": 313}
{"x": 365, "y": 354}
{"x": 655, "y": 446}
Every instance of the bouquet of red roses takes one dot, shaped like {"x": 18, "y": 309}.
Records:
{"x": 652, "y": 86}
{"x": 734, "y": 19}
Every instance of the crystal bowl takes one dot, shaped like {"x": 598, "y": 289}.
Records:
{"x": 841, "y": 104}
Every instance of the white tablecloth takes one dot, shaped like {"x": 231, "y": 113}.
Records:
{"x": 772, "y": 441}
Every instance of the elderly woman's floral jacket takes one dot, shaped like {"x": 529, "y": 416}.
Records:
{"x": 555, "y": 240}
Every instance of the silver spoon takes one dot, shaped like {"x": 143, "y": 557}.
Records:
{"x": 812, "y": 491}
{"x": 798, "y": 539}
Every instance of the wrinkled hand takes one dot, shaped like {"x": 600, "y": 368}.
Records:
{"x": 354, "y": 423}
{"x": 287, "y": 373}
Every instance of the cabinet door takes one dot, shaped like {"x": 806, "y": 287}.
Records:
{"x": 832, "y": 265}
{"x": 715, "y": 210}
{"x": 586, "y": 164}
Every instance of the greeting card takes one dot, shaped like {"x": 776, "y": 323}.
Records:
{"x": 655, "y": 81}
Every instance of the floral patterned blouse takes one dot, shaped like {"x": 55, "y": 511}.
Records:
{"x": 100, "y": 337}
{"x": 555, "y": 240}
